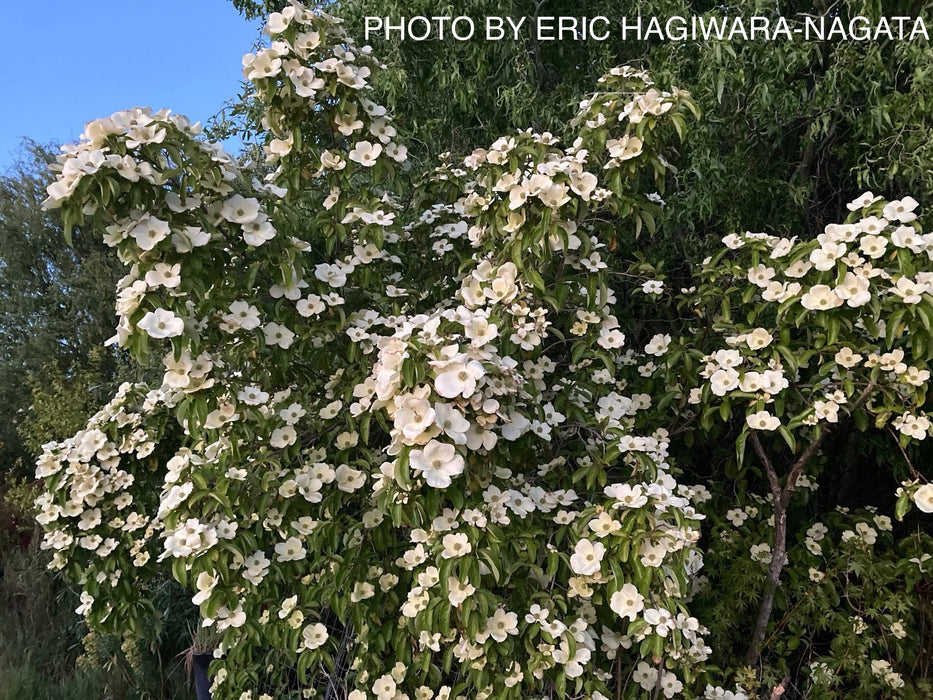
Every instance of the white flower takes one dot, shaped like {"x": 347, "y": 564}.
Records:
{"x": 253, "y": 396}
{"x": 658, "y": 344}
{"x": 240, "y": 210}
{"x": 660, "y": 619}
{"x": 365, "y": 153}
{"x": 625, "y": 148}
{"x": 645, "y": 676}
{"x": 349, "y": 479}
{"x": 255, "y": 567}
{"x": 761, "y": 553}
{"x": 165, "y": 275}
{"x": 451, "y": 421}
{"x": 229, "y": 618}
{"x": 502, "y": 624}
{"x": 283, "y": 437}
{"x": 458, "y": 379}
{"x": 536, "y": 614}
{"x": 242, "y": 315}
{"x": 290, "y": 550}
{"x": 670, "y": 684}
{"x": 266, "y": 64}
{"x": 902, "y": 210}
{"x": 847, "y": 358}
{"x": 413, "y": 416}
{"x": 736, "y": 516}
{"x": 384, "y": 687}
{"x": 149, "y": 231}
{"x": 161, "y": 323}
{"x": 855, "y": 289}
{"x": 626, "y": 495}
{"x": 192, "y": 237}
{"x": 610, "y": 338}
{"x": 723, "y": 381}
{"x": 862, "y": 201}
{"x": 292, "y": 413}
{"x": 313, "y": 636}
{"x": 587, "y": 557}
{"x": 277, "y": 334}
{"x": 873, "y": 246}
{"x": 820, "y": 298}
{"x": 437, "y": 462}
{"x": 761, "y": 275}
{"x": 362, "y": 591}
{"x": 825, "y": 257}
{"x": 457, "y": 591}
{"x": 758, "y": 338}
{"x": 89, "y": 519}
{"x": 205, "y": 584}
{"x": 733, "y": 241}
{"x": 923, "y": 498}
{"x": 627, "y": 602}
{"x": 762, "y": 420}
{"x": 258, "y": 231}
{"x": 908, "y": 290}
{"x": 653, "y": 287}
{"x": 310, "y": 306}
{"x": 866, "y": 532}
{"x": 456, "y": 545}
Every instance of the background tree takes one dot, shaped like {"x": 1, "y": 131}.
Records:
{"x": 791, "y": 129}
{"x": 56, "y": 311}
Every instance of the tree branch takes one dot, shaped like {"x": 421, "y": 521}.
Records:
{"x": 910, "y": 465}
{"x": 769, "y": 468}
{"x": 780, "y": 501}
{"x": 800, "y": 464}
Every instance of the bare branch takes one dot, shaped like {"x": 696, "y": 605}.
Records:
{"x": 910, "y": 465}
{"x": 769, "y": 467}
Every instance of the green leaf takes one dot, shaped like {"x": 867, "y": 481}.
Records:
{"x": 536, "y": 280}
{"x": 902, "y": 506}
{"x": 892, "y": 327}
{"x": 740, "y": 445}
{"x": 179, "y": 572}
{"x": 788, "y": 438}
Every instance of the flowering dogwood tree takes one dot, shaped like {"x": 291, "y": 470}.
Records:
{"x": 393, "y": 403}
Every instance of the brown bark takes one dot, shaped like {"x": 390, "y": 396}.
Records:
{"x": 780, "y": 499}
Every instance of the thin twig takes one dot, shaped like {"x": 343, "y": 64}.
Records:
{"x": 913, "y": 472}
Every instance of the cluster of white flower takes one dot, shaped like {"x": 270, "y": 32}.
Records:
{"x": 90, "y": 503}
{"x": 309, "y": 56}
{"x": 882, "y": 669}
{"x": 397, "y": 461}
{"x": 879, "y": 260}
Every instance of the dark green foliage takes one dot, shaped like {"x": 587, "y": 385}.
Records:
{"x": 56, "y": 311}
{"x": 790, "y": 130}
{"x": 47, "y": 653}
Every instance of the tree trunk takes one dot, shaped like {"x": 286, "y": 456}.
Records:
{"x": 774, "y": 577}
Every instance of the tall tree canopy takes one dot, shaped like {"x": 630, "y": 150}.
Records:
{"x": 792, "y": 129}
{"x": 56, "y": 311}
{"x": 476, "y": 430}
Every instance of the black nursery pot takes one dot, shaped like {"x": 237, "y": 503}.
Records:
{"x": 202, "y": 683}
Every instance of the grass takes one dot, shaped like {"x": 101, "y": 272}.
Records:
{"x": 46, "y": 652}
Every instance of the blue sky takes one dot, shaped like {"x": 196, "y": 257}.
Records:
{"x": 70, "y": 61}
